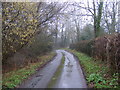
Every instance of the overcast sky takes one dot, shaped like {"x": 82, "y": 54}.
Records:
{"x": 51, "y": 0}
{"x": 86, "y": 18}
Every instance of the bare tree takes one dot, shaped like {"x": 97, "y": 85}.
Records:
{"x": 95, "y": 12}
{"x": 119, "y": 16}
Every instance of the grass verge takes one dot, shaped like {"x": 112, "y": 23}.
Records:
{"x": 57, "y": 74}
{"x": 14, "y": 78}
{"x": 96, "y": 72}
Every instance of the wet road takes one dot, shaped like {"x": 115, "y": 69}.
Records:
{"x": 71, "y": 76}
{"x": 43, "y": 76}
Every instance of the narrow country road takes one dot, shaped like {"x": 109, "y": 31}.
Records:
{"x": 70, "y": 77}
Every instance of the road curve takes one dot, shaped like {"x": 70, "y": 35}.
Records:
{"x": 71, "y": 76}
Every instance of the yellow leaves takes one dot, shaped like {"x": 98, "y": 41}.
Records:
{"x": 23, "y": 39}
{"x": 11, "y": 33}
{"x": 21, "y": 43}
{"x": 14, "y": 50}
{"x": 20, "y": 24}
{"x": 11, "y": 46}
{"x": 7, "y": 10}
{"x": 17, "y": 33}
{"x": 30, "y": 42}
{"x": 23, "y": 36}
{"x": 10, "y": 39}
{"x": 35, "y": 20}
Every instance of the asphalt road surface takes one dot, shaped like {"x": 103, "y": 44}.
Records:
{"x": 71, "y": 75}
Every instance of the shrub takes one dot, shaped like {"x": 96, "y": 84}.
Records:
{"x": 105, "y": 48}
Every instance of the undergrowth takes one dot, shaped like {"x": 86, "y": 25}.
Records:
{"x": 96, "y": 72}
{"x": 14, "y": 78}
